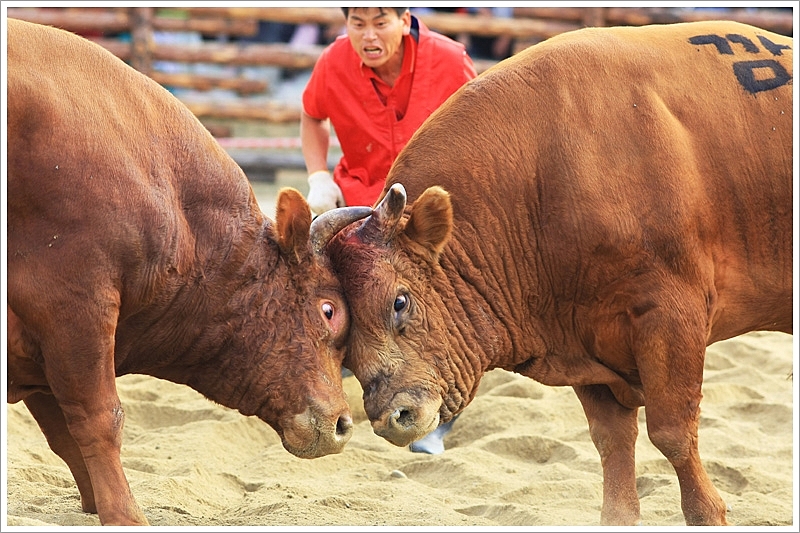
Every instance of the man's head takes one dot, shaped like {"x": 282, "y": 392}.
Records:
{"x": 376, "y": 33}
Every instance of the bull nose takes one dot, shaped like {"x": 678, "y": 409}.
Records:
{"x": 334, "y": 439}
{"x": 313, "y": 434}
{"x": 344, "y": 428}
{"x": 407, "y": 416}
{"x": 403, "y": 426}
{"x": 401, "y": 419}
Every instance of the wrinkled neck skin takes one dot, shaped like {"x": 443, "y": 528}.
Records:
{"x": 494, "y": 325}
{"x": 509, "y": 313}
{"x": 213, "y": 352}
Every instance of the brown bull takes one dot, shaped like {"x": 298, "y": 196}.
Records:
{"x": 591, "y": 212}
{"x": 136, "y": 245}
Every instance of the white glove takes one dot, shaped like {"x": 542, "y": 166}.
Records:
{"x": 323, "y": 193}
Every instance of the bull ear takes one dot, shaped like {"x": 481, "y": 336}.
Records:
{"x": 431, "y": 222}
{"x": 382, "y": 224}
{"x": 293, "y": 222}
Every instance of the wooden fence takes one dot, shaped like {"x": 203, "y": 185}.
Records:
{"x": 128, "y": 32}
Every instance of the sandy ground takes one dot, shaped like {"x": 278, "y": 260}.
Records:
{"x": 520, "y": 454}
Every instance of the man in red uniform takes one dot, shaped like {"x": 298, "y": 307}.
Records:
{"x": 375, "y": 86}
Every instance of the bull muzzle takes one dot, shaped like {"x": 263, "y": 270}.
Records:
{"x": 313, "y": 434}
{"x": 407, "y": 420}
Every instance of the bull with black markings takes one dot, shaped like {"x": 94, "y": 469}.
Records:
{"x": 593, "y": 212}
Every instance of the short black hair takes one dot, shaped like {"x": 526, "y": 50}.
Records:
{"x": 398, "y": 10}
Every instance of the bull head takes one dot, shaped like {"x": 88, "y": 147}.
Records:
{"x": 386, "y": 264}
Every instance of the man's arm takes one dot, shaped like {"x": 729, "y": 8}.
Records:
{"x": 315, "y": 138}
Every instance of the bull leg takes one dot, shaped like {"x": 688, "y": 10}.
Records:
{"x": 48, "y": 415}
{"x": 84, "y": 385}
{"x": 671, "y": 369}
{"x": 95, "y": 421}
{"x": 613, "y": 429}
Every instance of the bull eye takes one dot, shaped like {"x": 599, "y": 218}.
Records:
{"x": 400, "y": 302}
{"x": 327, "y": 310}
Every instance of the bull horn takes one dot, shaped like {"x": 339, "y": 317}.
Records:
{"x": 329, "y": 223}
{"x": 381, "y": 225}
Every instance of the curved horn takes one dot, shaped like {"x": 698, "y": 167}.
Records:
{"x": 381, "y": 225}
{"x": 329, "y": 223}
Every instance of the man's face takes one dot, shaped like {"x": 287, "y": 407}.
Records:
{"x": 376, "y": 33}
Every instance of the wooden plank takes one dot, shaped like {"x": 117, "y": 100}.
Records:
{"x": 77, "y": 20}
{"x": 142, "y": 41}
{"x": 243, "y": 86}
{"x": 208, "y": 26}
{"x": 454, "y": 23}
{"x": 771, "y": 20}
{"x": 768, "y": 19}
{"x": 270, "y": 54}
{"x": 277, "y": 54}
{"x": 573, "y": 14}
{"x": 448, "y": 23}
{"x": 529, "y": 25}
{"x": 277, "y": 112}
{"x": 594, "y": 17}
{"x": 289, "y": 15}
{"x": 104, "y": 20}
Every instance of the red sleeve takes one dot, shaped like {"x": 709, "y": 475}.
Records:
{"x": 314, "y": 93}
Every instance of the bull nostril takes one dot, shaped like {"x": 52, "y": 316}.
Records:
{"x": 403, "y": 418}
{"x": 344, "y": 425}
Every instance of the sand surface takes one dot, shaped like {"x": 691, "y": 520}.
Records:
{"x": 520, "y": 454}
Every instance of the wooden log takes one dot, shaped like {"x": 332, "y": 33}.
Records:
{"x": 573, "y": 14}
{"x": 528, "y": 26}
{"x": 275, "y": 112}
{"x": 271, "y": 54}
{"x": 449, "y": 23}
{"x": 768, "y": 19}
{"x": 207, "y": 26}
{"x": 771, "y": 20}
{"x": 594, "y": 17}
{"x": 142, "y": 42}
{"x": 103, "y": 20}
{"x": 243, "y": 86}
{"x": 289, "y": 15}
{"x": 454, "y": 23}
{"x": 274, "y": 54}
{"x": 83, "y": 20}
{"x": 277, "y": 54}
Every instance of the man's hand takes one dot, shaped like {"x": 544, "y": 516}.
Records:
{"x": 323, "y": 193}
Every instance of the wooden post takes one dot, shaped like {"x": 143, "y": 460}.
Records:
{"x": 594, "y": 17}
{"x": 142, "y": 43}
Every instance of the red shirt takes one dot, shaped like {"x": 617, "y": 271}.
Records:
{"x": 373, "y": 128}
